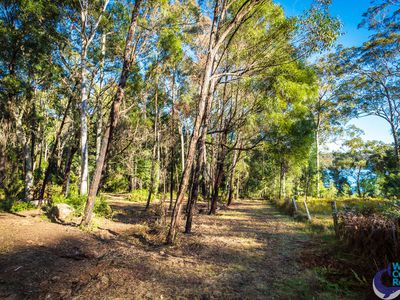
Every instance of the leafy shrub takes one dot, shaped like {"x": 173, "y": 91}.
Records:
{"x": 391, "y": 186}
{"x": 116, "y": 183}
{"x": 101, "y": 207}
{"x": 17, "y": 206}
{"x": 138, "y": 195}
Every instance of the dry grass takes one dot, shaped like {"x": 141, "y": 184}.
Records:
{"x": 241, "y": 253}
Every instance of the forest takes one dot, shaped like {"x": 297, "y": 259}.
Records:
{"x": 183, "y": 149}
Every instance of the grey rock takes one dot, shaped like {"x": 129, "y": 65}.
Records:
{"x": 62, "y": 212}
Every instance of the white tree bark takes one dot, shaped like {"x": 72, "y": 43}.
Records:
{"x": 99, "y": 122}
{"x": 318, "y": 162}
{"x": 86, "y": 40}
{"x": 28, "y": 178}
{"x": 84, "y": 128}
{"x": 182, "y": 145}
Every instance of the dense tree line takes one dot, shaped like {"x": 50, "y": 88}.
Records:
{"x": 186, "y": 99}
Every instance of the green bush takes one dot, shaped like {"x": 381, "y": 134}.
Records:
{"x": 116, "y": 184}
{"x": 101, "y": 207}
{"x": 14, "y": 206}
{"x": 138, "y": 195}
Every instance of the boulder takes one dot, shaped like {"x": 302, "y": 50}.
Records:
{"x": 34, "y": 203}
{"x": 62, "y": 212}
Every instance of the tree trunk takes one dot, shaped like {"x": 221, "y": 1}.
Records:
{"x": 281, "y": 181}
{"x": 218, "y": 176}
{"x": 156, "y": 152}
{"x": 99, "y": 112}
{"x": 236, "y": 156}
{"x": 196, "y": 176}
{"x": 28, "y": 172}
{"x": 358, "y": 182}
{"x": 396, "y": 144}
{"x": 67, "y": 171}
{"x": 318, "y": 163}
{"x": 53, "y": 152}
{"x": 171, "y": 187}
{"x": 114, "y": 116}
{"x": 191, "y": 153}
{"x": 216, "y": 39}
{"x": 86, "y": 40}
{"x": 237, "y": 188}
{"x": 83, "y": 186}
{"x": 182, "y": 146}
{"x": 27, "y": 157}
{"x": 204, "y": 176}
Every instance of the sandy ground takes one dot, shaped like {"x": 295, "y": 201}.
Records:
{"x": 243, "y": 252}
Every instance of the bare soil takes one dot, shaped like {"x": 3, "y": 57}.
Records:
{"x": 244, "y": 252}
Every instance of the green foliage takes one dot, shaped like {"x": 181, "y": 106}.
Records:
{"x": 116, "y": 183}
{"x": 15, "y": 206}
{"x": 138, "y": 195}
{"x": 101, "y": 207}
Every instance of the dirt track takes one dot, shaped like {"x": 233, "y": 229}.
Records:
{"x": 245, "y": 252}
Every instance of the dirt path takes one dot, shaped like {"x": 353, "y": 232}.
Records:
{"x": 245, "y": 252}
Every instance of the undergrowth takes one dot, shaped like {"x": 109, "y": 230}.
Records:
{"x": 101, "y": 207}
{"x": 16, "y": 206}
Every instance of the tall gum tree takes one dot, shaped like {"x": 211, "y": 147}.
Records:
{"x": 114, "y": 114}
{"x": 89, "y": 26}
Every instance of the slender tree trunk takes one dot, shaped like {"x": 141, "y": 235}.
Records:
{"x": 41, "y": 155}
{"x": 216, "y": 39}
{"x": 204, "y": 175}
{"x": 83, "y": 186}
{"x": 156, "y": 154}
{"x": 191, "y": 154}
{"x": 32, "y": 146}
{"x": 281, "y": 181}
{"x": 99, "y": 111}
{"x": 114, "y": 116}
{"x": 219, "y": 174}
{"x": 201, "y": 108}
{"x": 86, "y": 39}
{"x": 152, "y": 177}
{"x": 396, "y": 144}
{"x": 28, "y": 172}
{"x": 135, "y": 181}
{"x": 236, "y": 156}
{"x": 51, "y": 163}
{"x": 358, "y": 182}
{"x": 171, "y": 175}
{"x": 318, "y": 163}
{"x": 67, "y": 171}
{"x": 200, "y": 164}
{"x": 27, "y": 158}
{"x": 182, "y": 146}
{"x": 46, "y": 151}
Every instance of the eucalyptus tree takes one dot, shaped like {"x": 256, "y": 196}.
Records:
{"x": 227, "y": 19}
{"x": 371, "y": 85}
{"x": 28, "y": 35}
{"x": 329, "y": 114}
{"x": 372, "y": 71}
{"x": 175, "y": 25}
{"x": 91, "y": 15}
{"x": 114, "y": 113}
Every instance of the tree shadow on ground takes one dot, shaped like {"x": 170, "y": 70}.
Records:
{"x": 242, "y": 261}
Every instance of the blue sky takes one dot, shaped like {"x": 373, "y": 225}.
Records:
{"x": 350, "y": 13}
